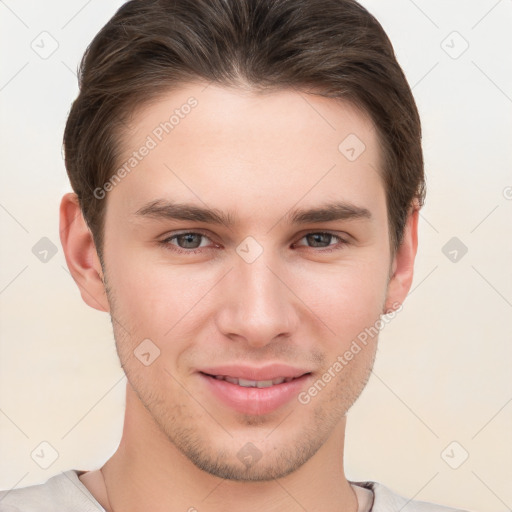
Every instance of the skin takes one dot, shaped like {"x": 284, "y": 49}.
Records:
{"x": 258, "y": 156}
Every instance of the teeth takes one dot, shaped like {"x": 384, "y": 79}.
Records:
{"x": 245, "y": 383}
{"x": 264, "y": 383}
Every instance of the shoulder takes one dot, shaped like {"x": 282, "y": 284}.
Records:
{"x": 386, "y": 500}
{"x": 63, "y": 491}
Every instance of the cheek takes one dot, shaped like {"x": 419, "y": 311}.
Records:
{"x": 347, "y": 299}
{"x": 156, "y": 299}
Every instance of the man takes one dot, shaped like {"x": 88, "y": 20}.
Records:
{"x": 247, "y": 178}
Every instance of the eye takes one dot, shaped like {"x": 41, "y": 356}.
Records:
{"x": 191, "y": 242}
{"x": 187, "y": 242}
{"x": 323, "y": 240}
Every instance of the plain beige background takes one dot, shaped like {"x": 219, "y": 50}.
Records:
{"x": 441, "y": 389}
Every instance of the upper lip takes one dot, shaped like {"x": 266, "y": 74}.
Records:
{"x": 269, "y": 372}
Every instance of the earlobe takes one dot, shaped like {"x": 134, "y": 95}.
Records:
{"x": 403, "y": 264}
{"x": 81, "y": 255}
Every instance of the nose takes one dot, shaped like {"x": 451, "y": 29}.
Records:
{"x": 257, "y": 306}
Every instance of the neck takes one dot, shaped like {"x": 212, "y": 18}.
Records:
{"x": 147, "y": 472}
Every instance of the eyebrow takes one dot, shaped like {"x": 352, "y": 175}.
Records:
{"x": 167, "y": 210}
{"x": 327, "y": 213}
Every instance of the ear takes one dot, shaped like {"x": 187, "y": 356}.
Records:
{"x": 80, "y": 252}
{"x": 402, "y": 267}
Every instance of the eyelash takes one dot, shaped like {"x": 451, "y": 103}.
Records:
{"x": 172, "y": 247}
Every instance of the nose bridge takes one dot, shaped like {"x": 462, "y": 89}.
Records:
{"x": 260, "y": 290}
{"x": 258, "y": 306}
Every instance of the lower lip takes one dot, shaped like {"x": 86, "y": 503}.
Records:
{"x": 255, "y": 401}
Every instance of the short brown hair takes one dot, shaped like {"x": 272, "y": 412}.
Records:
{"x": 150, "y": 47}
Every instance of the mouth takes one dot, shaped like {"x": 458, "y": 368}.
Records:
{"x": 246, "y": 383}
{"x": 254, "y": 391}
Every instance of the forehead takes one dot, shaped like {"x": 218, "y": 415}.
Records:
{"x": 229, "y": 147}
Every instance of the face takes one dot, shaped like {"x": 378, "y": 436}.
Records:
{"x": 248, "y": 244}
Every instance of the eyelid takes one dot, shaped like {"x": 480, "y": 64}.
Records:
{"x": 196, "y": 231}
{"x": 343, "y": 239}
{"x": 199, "y": 231}
{"x": 339, "y": 234}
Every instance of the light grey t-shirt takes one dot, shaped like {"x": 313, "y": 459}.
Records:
{"x": 66, "y": 493}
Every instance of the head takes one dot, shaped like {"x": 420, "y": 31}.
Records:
{"x": 248, "y": 176}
